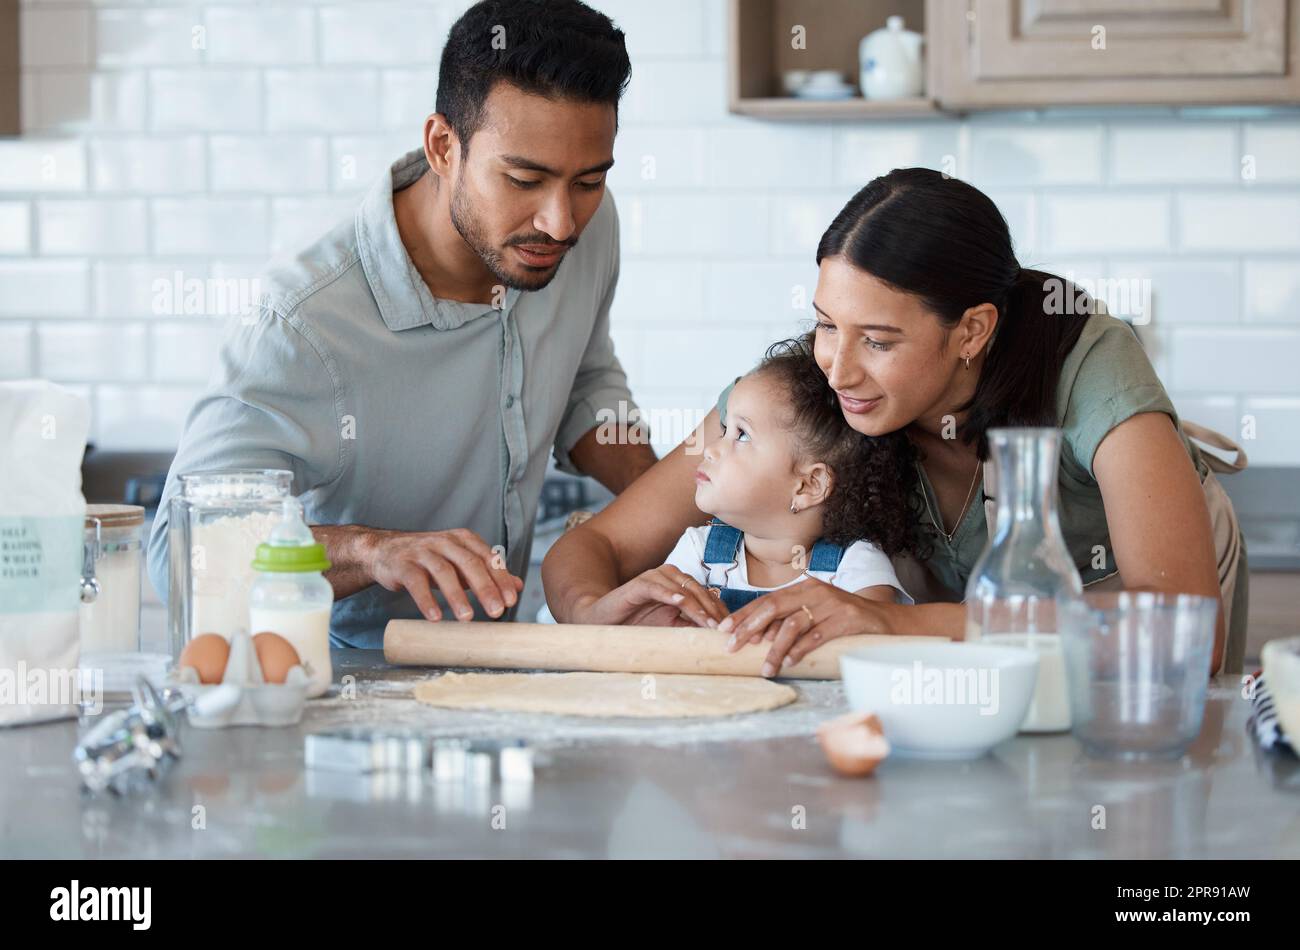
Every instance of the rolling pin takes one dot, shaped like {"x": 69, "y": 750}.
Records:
{"x": 600, "y": 649}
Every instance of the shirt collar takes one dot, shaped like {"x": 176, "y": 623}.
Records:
{"x": 402, "y": 295}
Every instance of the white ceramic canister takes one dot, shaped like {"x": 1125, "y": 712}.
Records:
{"x": 892, "y": 62}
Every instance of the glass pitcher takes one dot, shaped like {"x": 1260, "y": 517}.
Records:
{"x": 1026, "y": 570}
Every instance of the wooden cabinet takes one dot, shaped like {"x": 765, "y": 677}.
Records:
{"x": 994, "y": 54}
{"x": 1071, "y": 52}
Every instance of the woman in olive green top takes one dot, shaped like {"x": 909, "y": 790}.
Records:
{"x": 929, "y": 332}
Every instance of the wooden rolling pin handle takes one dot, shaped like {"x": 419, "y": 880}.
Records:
{"x": 597, "y": 648}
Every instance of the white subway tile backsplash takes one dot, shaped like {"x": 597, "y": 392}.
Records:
{"x": 703, "y": 356}
{"x": 1271, "y": 151}
{"x": 356, "y": 160}
{"x": 271, "y": 36}
{"x": 798, "y": 224}
{"x": 15, "y": 227}
{"x": 297, "y": 222}
{"x": 1098, "y": 224}
{"x": 78, "y": 100}
{"x": 745, "y": 156}
{"x": 1181, "y": 292}
{"x": 272, "y": 163}
{"x": 152, "y": 164}
{"x": 407, "y": 98}
{"x": 1276, "y": 424}
{"x": 1237, "y": 360}
{"x": 142, "y": 418}
{"x": 143, "y": 288}
{"x": 715, "y": 27}
{"x": 1235, "y": 222}
{"x": 54, "y": 36}
{"x": 208, "y": 100}
{"x": 676, "y": 225}
{"x": 1024, "y": 154}
{"x": 35, "y": 288}
{"x": 1273, "y": 291}
{"x": 1195, "y": 152}
{"x": 91, "y": 352}
{"x": 149, "y": 37}
{"x": 863, "y": 153}
{"x": 650, "y": 292}
{"x": 747, "y": 292}
{"x": 652, "y": 160}
{"x": 675, "y": 92}
{"x": 331, "y": 100}
{"x": 186, "y": 351}
{"x": 665, "y": 28}
{"x": 42, "y": 164}
{"x": 210, "y": 226}
{"x": 381, "y": 33}
{"x": 1220, "y": 413}
{"x": 91, "y": 226}
{"x": 15, "y": 351}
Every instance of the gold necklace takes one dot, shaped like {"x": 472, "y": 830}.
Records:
{"x": 979, "y": 467}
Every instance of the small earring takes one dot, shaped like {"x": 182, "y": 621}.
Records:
{"x": 967, "y": 359}
{"x": 794, "y": 509}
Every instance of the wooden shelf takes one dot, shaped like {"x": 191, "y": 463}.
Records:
{"x": 855, "y": 108}
{"x": 760, "y": 51}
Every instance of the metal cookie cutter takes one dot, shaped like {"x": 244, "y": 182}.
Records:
{"x": 141, "y": 741}
{"x": 366, "y": 750}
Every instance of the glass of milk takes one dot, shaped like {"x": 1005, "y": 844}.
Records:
{"x": 290, "y": 596}
{"x": 1025, "y": 576}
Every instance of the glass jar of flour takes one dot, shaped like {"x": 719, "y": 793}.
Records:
{"x": 217, "y": 522}
{"x": 291, "y": 597}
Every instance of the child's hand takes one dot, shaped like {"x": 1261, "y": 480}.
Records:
{"x": 660, "y": 597}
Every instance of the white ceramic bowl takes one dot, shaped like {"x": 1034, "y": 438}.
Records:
{"x": 942, "y": 700}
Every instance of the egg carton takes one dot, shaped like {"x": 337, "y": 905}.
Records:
{"x": 256, "y": 702}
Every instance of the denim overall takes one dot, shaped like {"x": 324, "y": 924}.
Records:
{"x": 722, "y": 549}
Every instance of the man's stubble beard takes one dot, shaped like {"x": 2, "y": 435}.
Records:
{"x": 467, "y": 226}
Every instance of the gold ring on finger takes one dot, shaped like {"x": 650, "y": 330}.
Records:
{"x": 804, "y": 608}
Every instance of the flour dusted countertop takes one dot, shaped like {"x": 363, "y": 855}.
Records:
{"x": 748, "y": 786}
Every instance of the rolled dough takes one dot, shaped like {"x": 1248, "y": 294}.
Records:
{"x": 645, "y": 695}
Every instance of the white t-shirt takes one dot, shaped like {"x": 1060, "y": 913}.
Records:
{"x": 863, "y": 565}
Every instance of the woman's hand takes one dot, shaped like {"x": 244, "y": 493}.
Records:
{"x": 800, "y": 618}
{"x": 661, "y": 597}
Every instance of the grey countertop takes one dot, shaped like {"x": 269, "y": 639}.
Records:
{"x": 244, "y": 792}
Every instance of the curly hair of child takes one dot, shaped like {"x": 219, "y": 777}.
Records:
{"x": 871, "y": 494}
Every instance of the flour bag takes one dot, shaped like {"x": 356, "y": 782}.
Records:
{"x": 43, "y": 431}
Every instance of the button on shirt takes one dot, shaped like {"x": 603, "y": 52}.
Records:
{"x": 395, "y": 409}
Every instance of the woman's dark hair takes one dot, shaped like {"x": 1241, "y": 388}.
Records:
{"x": 554, "y": 48}
{"x": 872, "y": 476}
{"x": 943, "y": 240}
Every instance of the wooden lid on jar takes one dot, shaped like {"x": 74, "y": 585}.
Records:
{"x": 114, "y": 516}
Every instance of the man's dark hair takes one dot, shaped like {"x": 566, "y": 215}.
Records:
{"x": 554, "y": 48}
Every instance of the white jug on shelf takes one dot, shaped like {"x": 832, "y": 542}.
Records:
{"x": 893, "y": 66}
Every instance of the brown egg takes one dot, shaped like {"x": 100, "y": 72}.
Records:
{"x": 276, "y": 655}
{"x": 854, "y": 744}
{"x": 207, "y": 654}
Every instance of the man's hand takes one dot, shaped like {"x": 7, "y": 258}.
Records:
{"x": 452, "y": 561}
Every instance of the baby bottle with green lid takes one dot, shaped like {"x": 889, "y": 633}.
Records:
{"x": 290, "y": 596}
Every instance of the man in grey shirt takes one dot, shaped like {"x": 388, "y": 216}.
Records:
{"x": 415, "y": 367}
